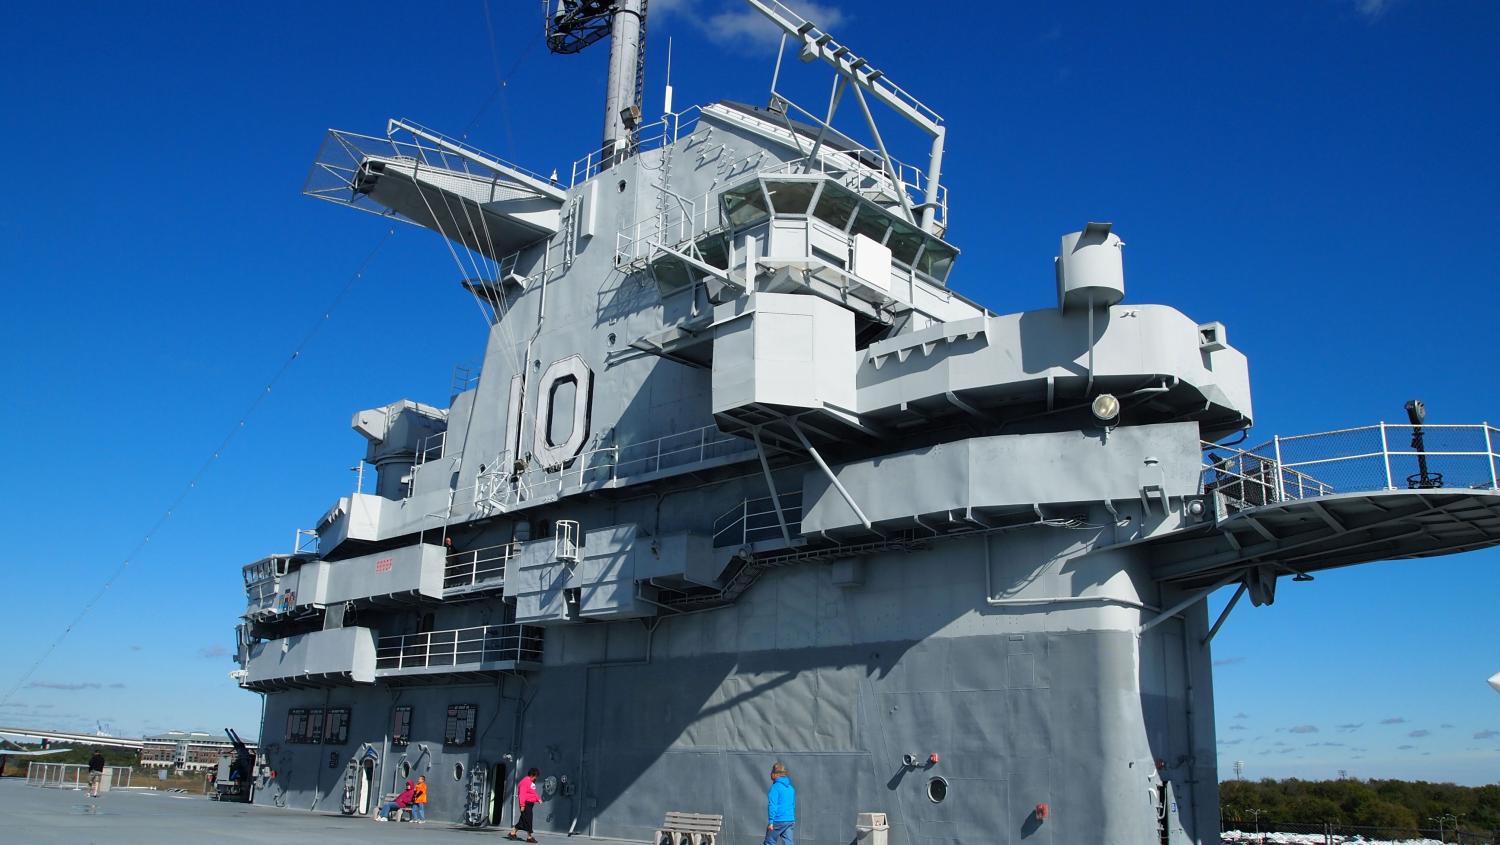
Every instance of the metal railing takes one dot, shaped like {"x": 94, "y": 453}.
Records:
{"x": 466, "y": 376}
{"x": 688, "y": 220}
{"x": 681, "y": 223}
{"x": 499, "y": 486}
{"x": 416, "y": 149}
{"x": 863, "y": 171}
{"x": 460, "y": 647}
{"x": 306, "y": 540}
{"x": 1385, "y": 456}
{"x": 649, "y": 137}
{"x": 430, "y": 448}
{"x": 754, "y": 521}
{"x": 476, "y": 566}
{"x": 74, "y": 775}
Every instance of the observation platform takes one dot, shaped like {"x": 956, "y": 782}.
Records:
{"x": 1318, "y": 501}
{"x": 489, "y": 206}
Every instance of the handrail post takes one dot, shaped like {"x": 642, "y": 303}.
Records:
{"x": 1385, "y": 453}
{"x": 1489, "y": 455}
{"x": 1280, "y": 488}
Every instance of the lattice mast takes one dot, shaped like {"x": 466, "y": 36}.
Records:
{"x": 573, "y": 25}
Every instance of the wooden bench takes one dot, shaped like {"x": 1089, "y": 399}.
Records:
{"x": 401, "y": 814}
{"x": 689, "y": 829}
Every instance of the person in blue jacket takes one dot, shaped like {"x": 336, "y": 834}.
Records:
{"x": 781, "y": 806}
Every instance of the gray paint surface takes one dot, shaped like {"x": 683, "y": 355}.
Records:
{"x": 1001, "y": 610}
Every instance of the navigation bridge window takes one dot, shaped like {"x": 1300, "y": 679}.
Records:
{"x": 837, "y": 215}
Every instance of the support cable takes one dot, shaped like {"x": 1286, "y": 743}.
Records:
{"x": 203, "y": 468}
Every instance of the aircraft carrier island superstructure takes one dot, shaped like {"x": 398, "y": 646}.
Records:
{"x": 743, "y": 478}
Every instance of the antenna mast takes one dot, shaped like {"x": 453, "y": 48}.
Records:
{"x": 575, "y": 24}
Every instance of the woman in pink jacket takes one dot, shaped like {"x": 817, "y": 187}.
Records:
{"x": 526, "y": 796}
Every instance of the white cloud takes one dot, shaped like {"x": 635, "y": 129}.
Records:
{"x": 1372, "y": 10}
{"x": 728, "y": 23}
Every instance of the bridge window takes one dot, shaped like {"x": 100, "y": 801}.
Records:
{"x": 746, "y": 204}
{"x": 835, "y": 206}
{"x": 791, "y": 197}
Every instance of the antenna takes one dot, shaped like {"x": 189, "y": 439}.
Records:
{"x": 814, "y": 44}
{"x": 573, "y": 25}
{"x": 666, "y": 106}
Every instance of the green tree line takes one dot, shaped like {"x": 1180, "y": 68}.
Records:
{"x": 16, "y": 766}
{"x": 1396, "y": 808}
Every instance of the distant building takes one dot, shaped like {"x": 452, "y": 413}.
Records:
{"x": 193, "y": 751}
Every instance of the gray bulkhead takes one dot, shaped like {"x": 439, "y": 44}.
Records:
{"x": 1000, "y": 633}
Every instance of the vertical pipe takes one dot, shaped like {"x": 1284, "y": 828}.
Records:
{"x": 624, "y": 67}
{"x": 934, "y": 173}
{"x": 1089, "y": 387}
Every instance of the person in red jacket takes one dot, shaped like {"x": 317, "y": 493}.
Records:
{"x": 389, "y": 808}
{"x": 526, "y": 796}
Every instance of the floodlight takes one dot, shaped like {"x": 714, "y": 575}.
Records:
{"x": 1105, "y": 407}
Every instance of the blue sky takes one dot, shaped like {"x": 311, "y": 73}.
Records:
{"x": 1320, "y": 176}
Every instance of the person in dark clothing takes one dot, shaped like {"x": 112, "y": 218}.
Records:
{"x": 527, "y": 797}
{"x": 96, "y": 773}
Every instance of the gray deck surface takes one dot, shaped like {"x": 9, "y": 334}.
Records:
{"x": 37, "y": 816}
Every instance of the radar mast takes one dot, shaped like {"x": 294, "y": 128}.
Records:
{"x": 573, "y": 25}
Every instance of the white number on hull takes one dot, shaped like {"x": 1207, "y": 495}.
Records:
{"x": 547, "y": 451}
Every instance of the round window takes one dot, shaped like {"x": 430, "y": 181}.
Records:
{"x": 405, "y": 769}
{"x": 937, "y": 790}
{"x": 458, "y": 771}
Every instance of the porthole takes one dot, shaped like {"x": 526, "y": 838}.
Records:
{"x": 621, "y": 187}
{"x": 612, "y": 338}
{"x": 458, "y": 771}
{"x": 937, "y": 790}
{"x": 405, "y": 769}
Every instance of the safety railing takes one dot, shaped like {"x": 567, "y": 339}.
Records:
{"x": 466, "y": 376}
{"x": 306, "y": 540}
{"x": 754, "y": 520}
{"x": 1386, "y": 456}
{"x": 74, "y": 775}
{"x": 863, "y": 171}
{"x": 500, "y": 486}
{"x": 430, "y": 448}
{"x": 477, "y": 566}
{"x": 683, "y": 221}
{"x": 415, "y": 148}
{"x": 460, "y": 647}
{"x": 649, "y": 137}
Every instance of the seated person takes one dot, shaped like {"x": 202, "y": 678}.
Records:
{"x": 389, "y": 809}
